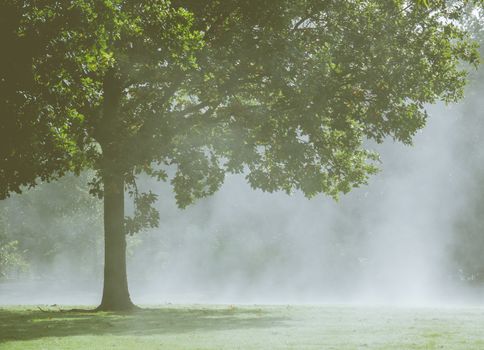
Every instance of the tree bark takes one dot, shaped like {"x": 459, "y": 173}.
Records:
{"x": 115, "y": 290}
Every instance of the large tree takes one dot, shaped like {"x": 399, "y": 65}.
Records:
{"x": 284, "y": 92}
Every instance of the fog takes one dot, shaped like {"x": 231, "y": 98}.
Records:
{"x": 389, "y": 242}
{"x": 396, "y": 241}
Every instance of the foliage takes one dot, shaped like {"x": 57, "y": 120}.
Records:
{"x": 34, "y": 142}
{"x": 53, "y": 223}
{"x": 285, "y": 92}
{"x": 12, "y": 261}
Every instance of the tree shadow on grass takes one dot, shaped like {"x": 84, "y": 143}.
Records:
{"x": 25, "y": 324}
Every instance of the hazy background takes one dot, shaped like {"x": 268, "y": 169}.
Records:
{"x": 413, "y": 236}
{"x": 395, "y": 241}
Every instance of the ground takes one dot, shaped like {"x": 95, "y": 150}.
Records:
{"x": 204, "y": 327}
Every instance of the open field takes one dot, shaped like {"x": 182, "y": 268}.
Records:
{"x": 244, "y": 327}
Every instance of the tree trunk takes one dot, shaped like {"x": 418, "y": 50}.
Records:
{"x": 115, "y": 291}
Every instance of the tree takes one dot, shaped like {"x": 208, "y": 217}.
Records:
{"x": 50, "y": 222}
{"x": 469, "y": 238}
{"x": 285, "y": 92}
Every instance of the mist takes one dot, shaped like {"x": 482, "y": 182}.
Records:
{"x": 396, "y": 241}
{"x": 391, "y": 242}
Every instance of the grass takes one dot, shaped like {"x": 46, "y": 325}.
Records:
{"x": 204, "y": 327}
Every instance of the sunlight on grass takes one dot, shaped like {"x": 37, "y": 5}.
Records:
{"x": 243, "y": 327}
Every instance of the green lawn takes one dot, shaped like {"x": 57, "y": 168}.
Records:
{"x": 244, "y": 327}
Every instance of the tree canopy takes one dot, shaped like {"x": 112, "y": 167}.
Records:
{"x": 284, "y": 92}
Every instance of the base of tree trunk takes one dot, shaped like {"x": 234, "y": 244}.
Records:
{"x": 124, "y": 306}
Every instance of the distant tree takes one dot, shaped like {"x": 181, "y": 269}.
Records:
{"x": 54, "y": 221}
{"x": 12, "y": 261}
{"x": 468, "y": 244}
{"x": 285, "y": 92}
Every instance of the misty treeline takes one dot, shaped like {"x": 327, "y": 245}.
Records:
{"x": 287, "y": 93}
{"x": 469, "y": 156}
{"x": 52, "y": 220}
